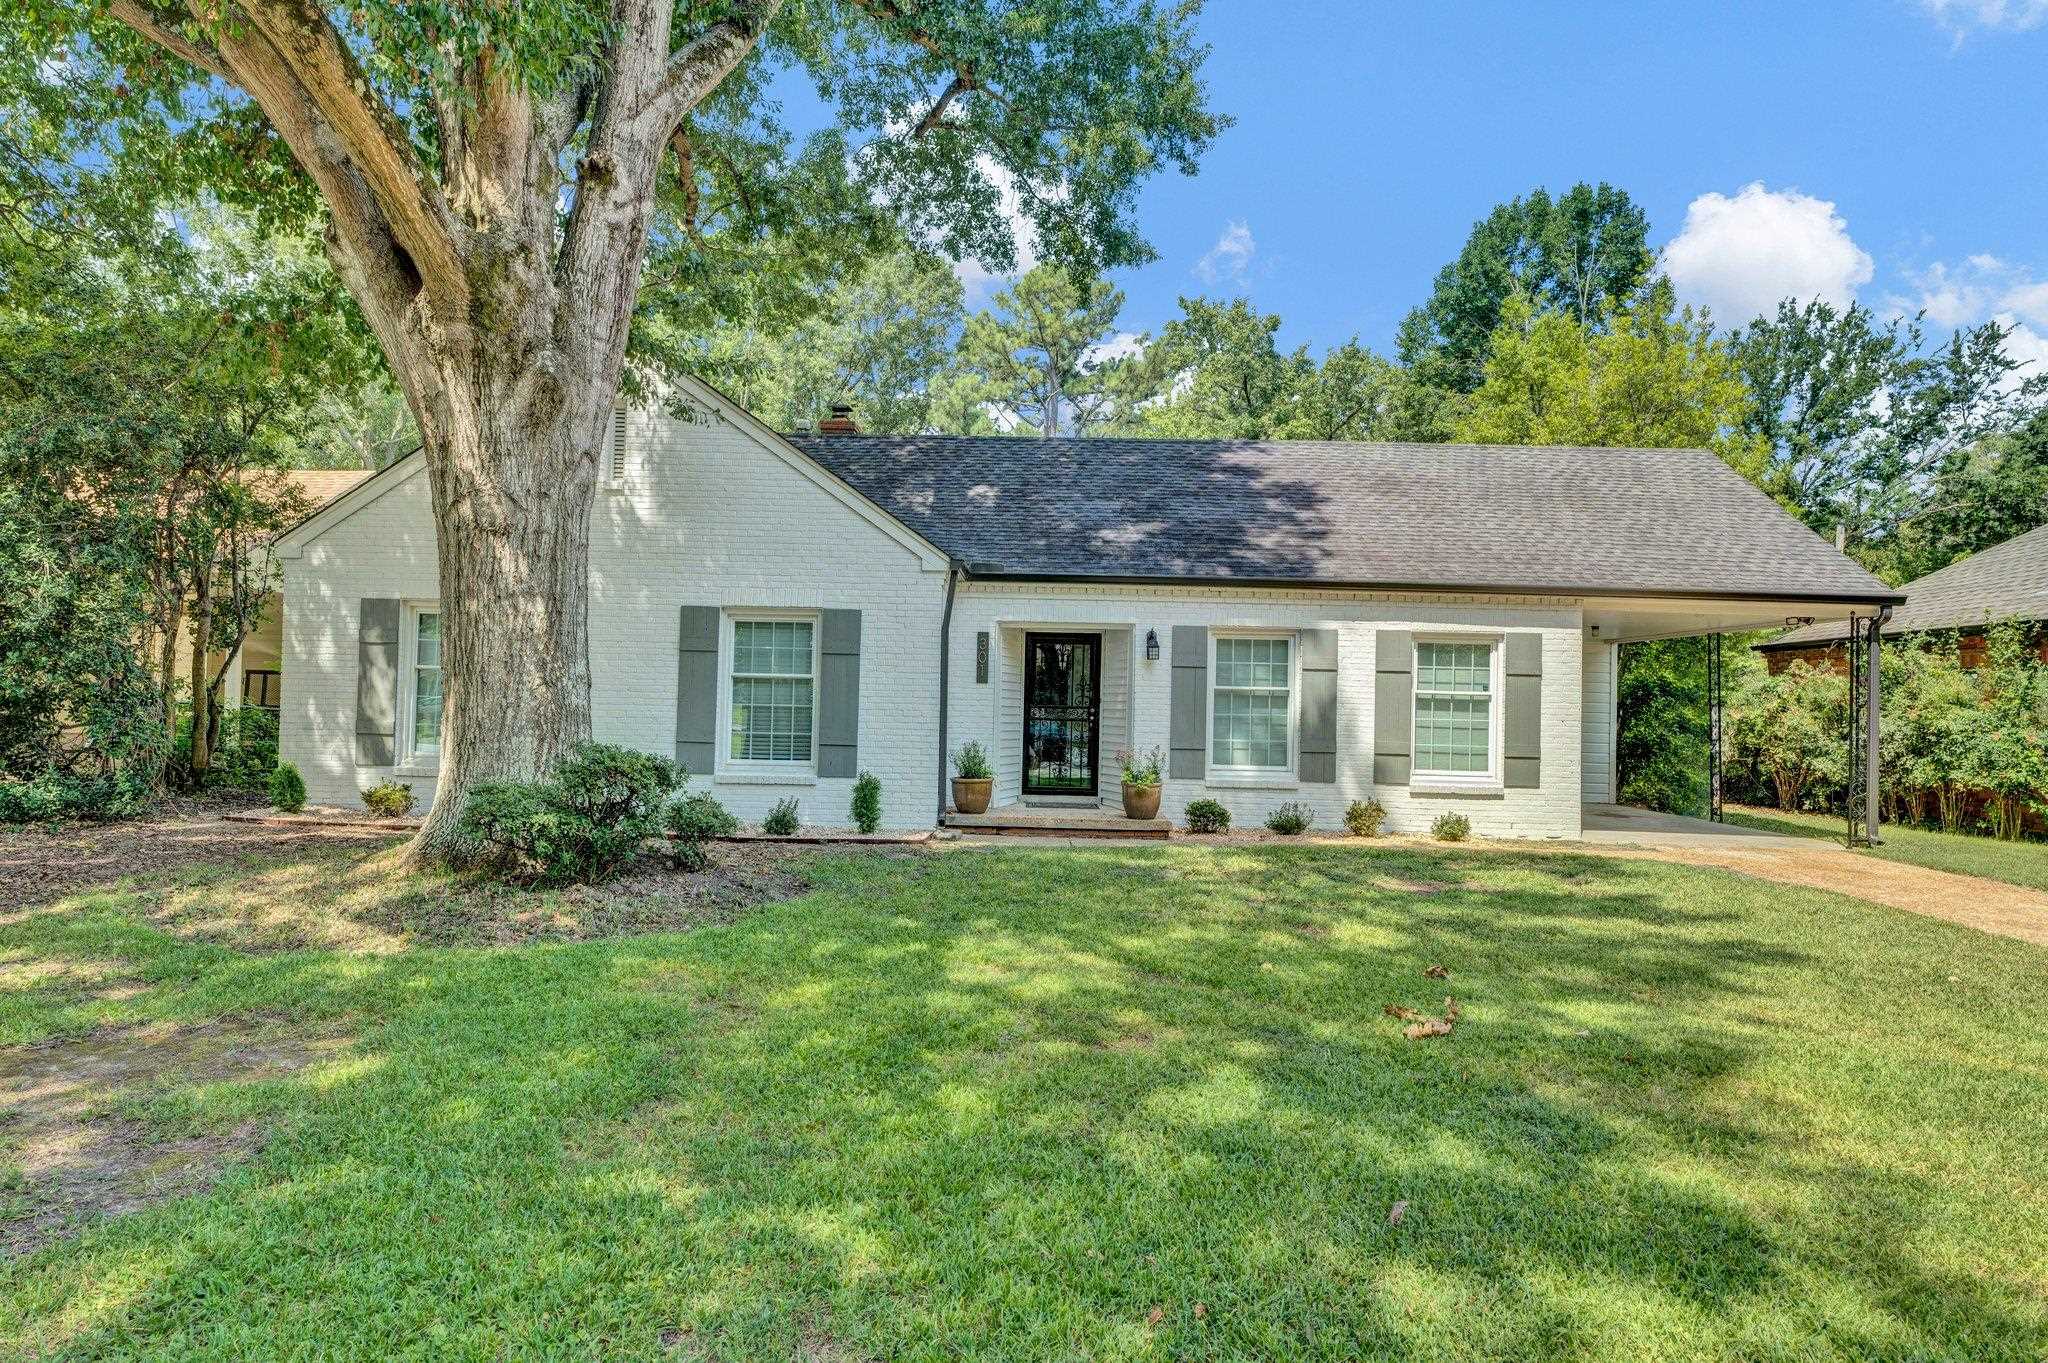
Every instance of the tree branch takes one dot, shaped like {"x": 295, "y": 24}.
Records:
{"x": 960, "y": 85}
{"x": 707, "y": 59}
{"x": 164, "y": 35}
{"x": 375, "y": 141}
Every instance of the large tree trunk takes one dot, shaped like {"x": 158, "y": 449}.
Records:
{"x": 513, "y": 475}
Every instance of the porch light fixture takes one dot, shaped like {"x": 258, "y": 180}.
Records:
{"x": 1151, "y": 645}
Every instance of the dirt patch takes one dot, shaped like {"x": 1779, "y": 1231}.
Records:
{"x": 653, "y": 897}
{"x": 72, "y": 1158}
{"x": 39, "y": 864}
{"x": 1402, "y": 885}
{"x": 1987, "y": 905}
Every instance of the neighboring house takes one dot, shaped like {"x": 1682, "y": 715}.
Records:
{"x": 1434, "y": 625}
{"x": 2008, "y": 581}
{"x": 255, "y": 674}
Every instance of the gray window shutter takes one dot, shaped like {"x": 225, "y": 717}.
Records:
{"x": 1188, "y": 728}
{"x": 1522, "y": 722}
{"x": 377, "y": 620}
{"x": 1319, "y": 705}
{"x": 697, "y": 690}
{"x": 1393, "y": 707}
{"x": 839, "y": 695}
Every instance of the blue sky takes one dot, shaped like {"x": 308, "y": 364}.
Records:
{"x": 1899, "y": 149}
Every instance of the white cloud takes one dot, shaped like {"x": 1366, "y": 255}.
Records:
{"x": 1966, "y": 293}
{"x": 2025, "y": 345}
{"x": 1960, "y": 16}
{"x": 1122, "y": 346}
{"x": 1230, "y": 257}
{"x": 1740, "y": 256}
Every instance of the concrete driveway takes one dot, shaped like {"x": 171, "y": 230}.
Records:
{"x": 1815, "y": 863}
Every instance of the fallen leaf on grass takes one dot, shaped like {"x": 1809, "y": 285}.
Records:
{"x": 1396, "y": 1212}
{"x": 1451, "y": 1011}
{"x": 1428, "y": 1027}
{"x": 1155, "y": 1315}
{"x": 1401, "y": 1011}
{"x": 1438, "y": 972}
{"x": 1201, "y": 1311}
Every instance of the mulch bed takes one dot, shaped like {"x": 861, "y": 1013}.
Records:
{"x": 39, "y": 863}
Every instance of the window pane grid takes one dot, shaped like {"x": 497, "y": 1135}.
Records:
{"x": 773, "y": 701}
{"x": 1251, "y": 705}
{"x": 426, "y": 683}
{"x": 1454, "y": 708}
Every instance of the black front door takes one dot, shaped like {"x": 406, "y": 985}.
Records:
{"x": 1062, "y": 712}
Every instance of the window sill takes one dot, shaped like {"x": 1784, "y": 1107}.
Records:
{"x": 764, "y": 778}
{"x": 428, "y": 771}
{"x": 1252, "y": 781}
{"x": 1478, "y": 790}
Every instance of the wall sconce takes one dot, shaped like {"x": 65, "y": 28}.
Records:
{"x": 1151, "y": 645}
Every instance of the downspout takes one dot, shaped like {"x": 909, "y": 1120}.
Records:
{"x": 1872, "y": 708}
{"x": 945, "y": 660}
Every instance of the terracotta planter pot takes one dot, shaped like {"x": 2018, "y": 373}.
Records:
{"x": 972, "y": 796}
{"x": 1141, "y": 802}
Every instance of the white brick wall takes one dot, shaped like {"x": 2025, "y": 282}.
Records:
{"x": 707, "y": 516}
{"x": 1550, "y": 811}
{"x": 711, "y": 516}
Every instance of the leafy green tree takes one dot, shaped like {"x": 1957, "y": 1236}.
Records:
{"x": 1856, "y": 415}
{"x": 1982, "y": 494}
{"x": 2007, "y": 752}
{"x": 1650, "y": 378}
{"x": 1038, "y": 350}
{"x": 1584, "y": 254}
{"x": 1225, "y": 376}
{"x": 489, "y": 181}
{"x": 878, "y": 339}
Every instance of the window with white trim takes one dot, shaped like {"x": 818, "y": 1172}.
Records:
{"x": 1251, "y": 705}
{"x": 1454, "y": 708}
{"x": 423, "y": 709}
{"x": 774, "y": 692}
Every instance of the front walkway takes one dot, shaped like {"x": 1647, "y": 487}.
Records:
{"x": 1986, "y": 905}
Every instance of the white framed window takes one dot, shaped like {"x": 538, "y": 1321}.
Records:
{"x": 1457, "y": 710}
{"x": 769, "y": 710}
{"x": 1252, "y": 689}
{"x": 421, "y": 704}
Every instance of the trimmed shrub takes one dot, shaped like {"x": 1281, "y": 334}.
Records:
{"x": 287, "y": 788}
{"x": 389, "y": 799}
{"x": 782, "y": 820}
{"x": 970, "y": 763}
{"x": 693, "y": 822}
{"x": 1364, "y": 818}
{"x": 1206, "y": 816}
{"x": 867, "y": 802}
{"x": 1449, "y": 827}
{"x": 1290, "y": 819}
{"x": 584, "y": 824}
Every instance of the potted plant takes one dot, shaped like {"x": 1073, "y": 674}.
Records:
{"x": 1141, "y": 783}
{"x": 974, "y": 780}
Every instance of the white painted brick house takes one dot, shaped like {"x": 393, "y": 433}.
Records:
{"x": 1434, "y": 626}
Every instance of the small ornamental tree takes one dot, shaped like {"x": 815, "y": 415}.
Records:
{"x": 514, "y": 192}
{"x": 1793, "y": 725}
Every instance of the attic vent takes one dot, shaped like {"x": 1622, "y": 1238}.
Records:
{"x": 615, "y": 449}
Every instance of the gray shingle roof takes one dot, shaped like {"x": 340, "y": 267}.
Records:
{"x": 1550, "y": 519}
{"x": 2008, "y": 581}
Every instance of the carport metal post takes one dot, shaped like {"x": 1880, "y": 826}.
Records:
{"x": 1871, "y": 710}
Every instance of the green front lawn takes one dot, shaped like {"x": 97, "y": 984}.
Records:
{"x": 1114, "y": 1103}
{"x": 2016, "y": 863}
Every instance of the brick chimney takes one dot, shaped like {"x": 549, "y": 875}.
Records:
{"x": 840, "y": 422}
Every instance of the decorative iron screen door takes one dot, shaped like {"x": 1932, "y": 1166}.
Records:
{"x": 1062, "y": 713}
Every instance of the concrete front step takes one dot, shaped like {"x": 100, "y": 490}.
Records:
{"x": 1064, "y": 823}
